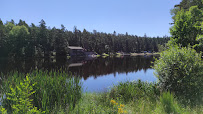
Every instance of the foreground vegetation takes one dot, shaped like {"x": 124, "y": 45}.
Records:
{"x": 145, "y": 101}
{"x": 39, "y": 91}
{"x": 128, "y": 97}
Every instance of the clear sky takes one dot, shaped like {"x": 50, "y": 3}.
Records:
{"x": 136, "y": 17}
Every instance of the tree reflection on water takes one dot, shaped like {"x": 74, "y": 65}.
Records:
{"x": 83, "y": 67}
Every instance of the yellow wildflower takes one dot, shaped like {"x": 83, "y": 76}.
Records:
{"x": 121, "y": 105}
{"x": 125, "y": 111}
{"x": 120, "y": 110}
{"x": 113, "y": 102}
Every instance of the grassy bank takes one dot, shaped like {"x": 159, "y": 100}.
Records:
{"x": 133, "y": 97}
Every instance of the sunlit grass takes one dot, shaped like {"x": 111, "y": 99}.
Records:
{"x": 143, "y": 98}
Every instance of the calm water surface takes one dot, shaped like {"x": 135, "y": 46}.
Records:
{"x": 97, "y": 74}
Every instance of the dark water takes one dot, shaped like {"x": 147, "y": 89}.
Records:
{"x": 97, "y": 74}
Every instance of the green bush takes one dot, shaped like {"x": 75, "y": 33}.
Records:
{"x": 180, "y": 70}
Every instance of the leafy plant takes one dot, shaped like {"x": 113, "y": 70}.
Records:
{"x": 19, "y": 98}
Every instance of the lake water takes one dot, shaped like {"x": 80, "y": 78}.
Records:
{"x": 97, "y": 74}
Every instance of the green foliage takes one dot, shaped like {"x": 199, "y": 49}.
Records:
{"x": 199, "y": 46}
{"x": 188, "y": 17}
{"x": 134, "y": 90}
{"x": 179, "y": 70}
{"x": 103, "y": 103}
{"x": 19, "y": 31}
{"x": 168, "y": 105}
{"x": 161, "y": 48}
{"x": 172, "y": 42}
{"x": 19, "y": 97}
{"x": 53, "y": 89}
{"x": 18, "y": 37}
{"x": 187, "y": 26}
{"x": 185, "y": 5}
{"x": 56, "y": 89}
{"x": 9, "y": 26}
{"x": 3, "y": 110}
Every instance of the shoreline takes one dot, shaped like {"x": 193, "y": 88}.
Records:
{"x": 136, "y": 54}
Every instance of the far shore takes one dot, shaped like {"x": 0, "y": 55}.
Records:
{"x": 136, "y": 54}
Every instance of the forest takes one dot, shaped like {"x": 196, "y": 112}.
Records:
{"x": 23, "y": 40}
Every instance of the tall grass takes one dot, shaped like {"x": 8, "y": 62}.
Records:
{"x": 52, "y": 89}
{"x": 168, "y": 104}
{"x": 132, "y": 91}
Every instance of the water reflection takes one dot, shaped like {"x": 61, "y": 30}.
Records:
{"x": 97, "y": 74}
{"x": 105, "y": 66}
{"x": 83, "y": 67}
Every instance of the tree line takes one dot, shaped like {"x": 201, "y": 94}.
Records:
{"x": 23, "y": 40}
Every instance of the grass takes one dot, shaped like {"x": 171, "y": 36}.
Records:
{"x": 136, "y": 97}
{"x": 132, "y": 97}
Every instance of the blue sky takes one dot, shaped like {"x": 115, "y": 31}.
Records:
{"x": 136, "y": 17}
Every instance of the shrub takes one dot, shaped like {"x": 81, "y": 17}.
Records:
{"x": 180, "y": 70}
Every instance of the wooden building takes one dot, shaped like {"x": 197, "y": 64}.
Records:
{"x": 76, "y": 51}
